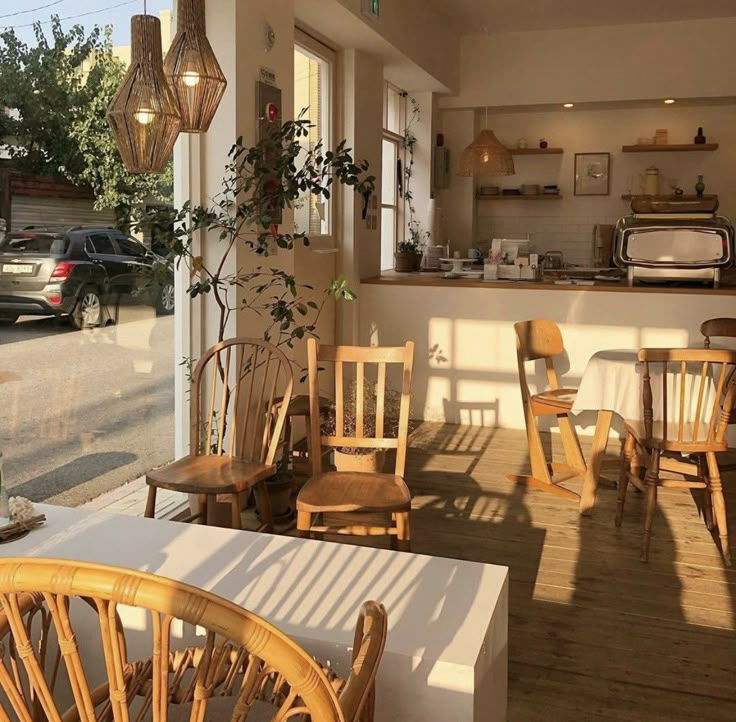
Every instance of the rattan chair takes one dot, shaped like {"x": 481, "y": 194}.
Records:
{"x": 97, "y": 643}
{"x": 236, "y": 429}
{"x": 698, "y": 431}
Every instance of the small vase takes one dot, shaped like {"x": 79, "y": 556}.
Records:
{"x": 699, "y": 138}
{"x": 543, "y": 144}
{"x": 700, "y": 187}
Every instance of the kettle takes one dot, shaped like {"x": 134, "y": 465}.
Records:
{"x": 650, "y": 181}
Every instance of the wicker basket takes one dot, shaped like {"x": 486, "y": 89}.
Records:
{"x": 407, "y": 262}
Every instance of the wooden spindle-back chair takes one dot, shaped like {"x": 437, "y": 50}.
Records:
{"x": 359, "y": 492}
{"x": 236, "y": 428}
{"x": 541, "y": 339}
{"x": 697, "y": 390}
{"x": 73, "y": 647}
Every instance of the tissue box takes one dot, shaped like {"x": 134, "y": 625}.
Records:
{"x": 509, "y": 273}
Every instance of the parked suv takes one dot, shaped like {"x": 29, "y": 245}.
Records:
{"x": 76, "y": 272}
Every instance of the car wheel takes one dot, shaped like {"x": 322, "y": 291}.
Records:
{"x": 88, "y": 311}
{"x": 8, "y": 319}
{"x": 166, "y": 299}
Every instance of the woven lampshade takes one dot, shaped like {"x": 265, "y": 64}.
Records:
{"x": 486, "y": 156}
{"x": 144, "y": 116}
{"x": 192, "y": 69}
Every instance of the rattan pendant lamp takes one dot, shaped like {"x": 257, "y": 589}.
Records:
{"x": 486, "y": 156}
{"x": 144, "y": 116}
{"x": 192, "y": 69}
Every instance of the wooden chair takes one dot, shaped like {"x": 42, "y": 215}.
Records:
{"x": 68, "y": 655}
{"x": 541, "y": 339}
{"x": 720, "y": 328}
{"x": 358, "y": 492}
{"x": 701, "y": 437}
{"x": 235, "y": 441}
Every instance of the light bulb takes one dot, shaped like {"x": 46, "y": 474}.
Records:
{"x": 568, "y": 105}
{"x": 485, "y": 157}
{"x": 191, "y": 78}
{"x": 144, "y": 116}
{"x": 669, "y": 101}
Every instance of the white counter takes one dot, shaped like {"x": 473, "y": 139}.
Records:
{"x": 465, "y": 367}
{"x": 447, "y": 647}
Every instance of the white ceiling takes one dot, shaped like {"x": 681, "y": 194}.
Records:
{"x": 513, "y": 15}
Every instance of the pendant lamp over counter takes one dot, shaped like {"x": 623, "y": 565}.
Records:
{"x": 192, "y": 69}
{"x": 486, "y": 156}
{"x": 144, "y": 115}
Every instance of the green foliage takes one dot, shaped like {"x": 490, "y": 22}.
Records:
{"x": 259, "y": 182}
{"x": 56, "y": 95}
{"x": 417, "y": 237}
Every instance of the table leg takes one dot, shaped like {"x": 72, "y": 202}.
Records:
{"x": 595, "y": 461}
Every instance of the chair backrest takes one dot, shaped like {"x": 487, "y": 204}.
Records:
{"x": 370, "y": 398}
{"x": 234, "y": 386}
{"x": 697, "y": 393}
{"x": 194, "y": 649}
{"x": 538, "y": 339}
{"x": 723, "y": 327}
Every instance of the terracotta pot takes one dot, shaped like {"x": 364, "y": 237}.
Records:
{"x": 370, "y": 463}
{"x": 407, "y": 262}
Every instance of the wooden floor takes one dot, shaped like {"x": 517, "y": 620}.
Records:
{"x": 594, "y": 633}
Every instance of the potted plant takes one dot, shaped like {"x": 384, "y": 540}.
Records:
{"x": 258, "y": 183}
{"x": 349, "y": 458}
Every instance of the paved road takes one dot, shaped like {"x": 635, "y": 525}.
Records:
{"x": 82, "y": 412}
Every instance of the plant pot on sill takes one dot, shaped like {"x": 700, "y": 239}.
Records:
{"x": 407, "y": 262}
{"x": 366, "y": 463}
{"x": 279, "y": 492}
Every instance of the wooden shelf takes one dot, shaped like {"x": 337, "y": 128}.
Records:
{"x": 670, "y": 198}
{"x": 536, "y": 151}
{"x": 669, "y": 148}
{"x": 539, "y": 197}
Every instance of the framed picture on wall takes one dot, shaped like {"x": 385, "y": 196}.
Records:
{"x": 592, "y": 174}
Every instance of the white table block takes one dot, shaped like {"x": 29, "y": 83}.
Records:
{"x": 447, "y": 648}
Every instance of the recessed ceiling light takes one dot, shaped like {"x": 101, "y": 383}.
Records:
{"x": 669, "y": 101}
{"x": 568, "y": 105}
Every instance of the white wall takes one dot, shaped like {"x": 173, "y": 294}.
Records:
{"x": 465, "y": 364}
{"x": 693, "y": 59}
{"x": 567, "y": 225}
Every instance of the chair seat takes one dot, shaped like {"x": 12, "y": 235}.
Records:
{"x": 209, "y": 475}
{"x": 337, "y": 491}
{"x": 564, "y": 398}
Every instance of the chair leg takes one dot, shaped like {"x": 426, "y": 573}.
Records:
{"x": 707, "y": 498}
{"x": 303, "y": 523}
{"x": 537, "y": 458}
{"x": 651, "y": 480}
{"x": 571, "y": 443}
{"x": 719, "y": 505}
{"x": 151, "y": 503}
{"x": 203, "y": 503}
{"x": 403, "y": 529}
{"x": 235, "y": 520}
{"x": 264, "y": 503}
{"x": 623, "y": 479}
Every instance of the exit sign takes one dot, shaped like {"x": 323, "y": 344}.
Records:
{"x": 372, "y": 8}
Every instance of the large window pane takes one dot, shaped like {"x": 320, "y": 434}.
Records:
{"x": 388, "y": 238}
{"x": 312, "y": 101}
{"x": 389, "y": 173}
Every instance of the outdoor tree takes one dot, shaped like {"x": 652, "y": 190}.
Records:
{"x": 55, "y": 95}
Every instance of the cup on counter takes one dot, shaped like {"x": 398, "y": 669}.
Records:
{"x": 474, "y": 253}
{"x": 456, "y": 254}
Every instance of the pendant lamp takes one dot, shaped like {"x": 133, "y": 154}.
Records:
{"x": 192, "y": 69}
{"x": 144, "y": 116}
{"x": 486, "y": 156}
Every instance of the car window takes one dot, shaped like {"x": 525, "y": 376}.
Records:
{"x": 129, "y": 247}
{"x": 21, "y": 243}
{"x": 100, "y": 243}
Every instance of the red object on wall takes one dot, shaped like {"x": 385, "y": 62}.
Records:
{"x": 272, "y": 112}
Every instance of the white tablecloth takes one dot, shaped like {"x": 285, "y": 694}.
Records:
{"x": 612, "y": 381}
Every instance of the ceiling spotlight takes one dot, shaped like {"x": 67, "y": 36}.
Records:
{"x": 568, "y": 105}
{"x": 669, "y": 101}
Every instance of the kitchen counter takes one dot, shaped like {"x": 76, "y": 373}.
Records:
{"x": 727, "y": 288}
{"x": 465, "y": 367}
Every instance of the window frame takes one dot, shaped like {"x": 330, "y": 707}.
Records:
{"x": 310, "y": 45}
